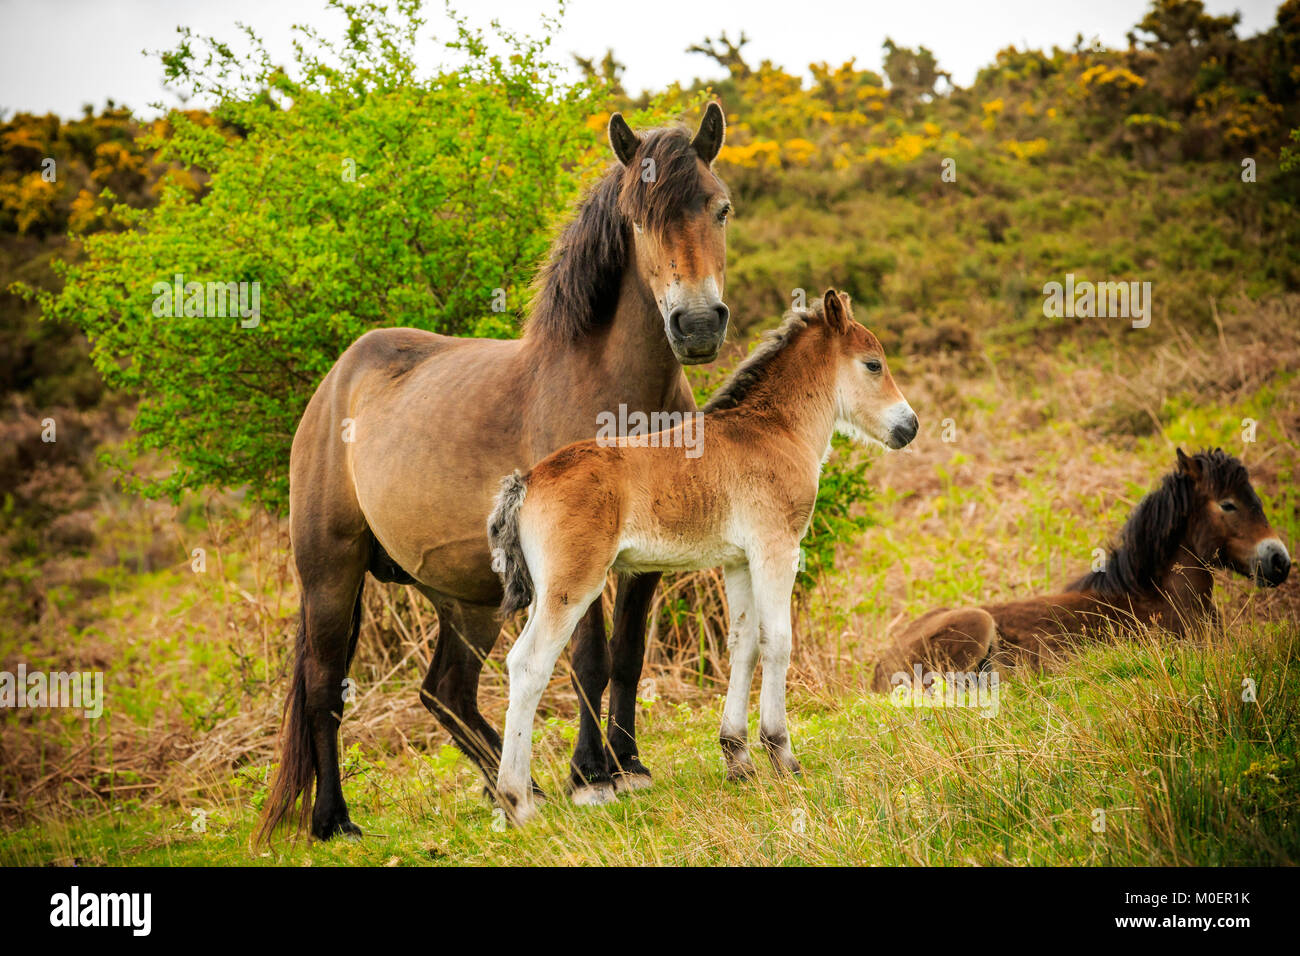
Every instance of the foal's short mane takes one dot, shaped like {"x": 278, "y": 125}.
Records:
{"x": 1149, "y": 542}
{"x": 753, "y": 369}
{"x": 577, "y": 289}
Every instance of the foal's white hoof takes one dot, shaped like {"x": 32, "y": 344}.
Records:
{"x": 521, "y": 814}
{"x": 592, "y": 794}
{"x": 627, "y": 782}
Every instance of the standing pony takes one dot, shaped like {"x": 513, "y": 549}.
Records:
{"x": 1204, "y": 515}
{"x": 632, "y": 291}
{"x": 743, "y": 501}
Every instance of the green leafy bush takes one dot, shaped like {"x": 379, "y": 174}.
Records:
{"x": 345, "y": 193}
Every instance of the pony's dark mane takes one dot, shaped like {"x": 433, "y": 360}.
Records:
{"x": 1149, "y": 541}
{"x": 754, "y": 368}
{"x": 578, "y": 287}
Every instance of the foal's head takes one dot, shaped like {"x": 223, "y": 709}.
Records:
{"x": 1226, "y": 525}
{"x": 868, "y": 405}
{"x": 678, "y": 211}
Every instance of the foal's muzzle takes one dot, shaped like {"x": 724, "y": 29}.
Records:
{"x": 1271, "y": 563}
{"x": 903, "y": 426}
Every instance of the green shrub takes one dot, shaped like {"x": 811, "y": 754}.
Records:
{"x": 347, "y": 192}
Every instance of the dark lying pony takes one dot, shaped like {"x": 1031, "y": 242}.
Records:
{"x": 1204, "y": 515}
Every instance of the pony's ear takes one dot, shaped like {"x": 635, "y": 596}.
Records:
{"x": 837, "y": 311}
{"x": 622, "y": 140}
{"x": 1189, "y": 466}
{"x": 712, "y": 131}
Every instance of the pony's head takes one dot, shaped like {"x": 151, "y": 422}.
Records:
{"x": 868, "y": 405}
{"x": 1227, "y": 527}
{"x": 678, "y": 211}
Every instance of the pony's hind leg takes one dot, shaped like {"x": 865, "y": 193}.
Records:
{"x": 331, "y": 619}
{"x": 961, "y": 640}
{"x": 631, "y": 608}
{"x": 773, "y": 581}
{"x": 742, "y": 644}
{"x": 589, "y": 779}
{"x": 466, "y": 635}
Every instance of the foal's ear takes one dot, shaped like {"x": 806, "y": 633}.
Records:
{"x": 836, "y": 306}
{"x": 712, "y": 131}
{"x": 1189, "y": 466}
{"x": 622, "y": 140}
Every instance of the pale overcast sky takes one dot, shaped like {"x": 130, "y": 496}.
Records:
{"x": 56, "y": 55}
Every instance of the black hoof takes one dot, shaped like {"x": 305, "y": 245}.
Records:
{"x": 629, "y": 773}
{"x": 588, "y": 775}
{"x": 336, "y": 826}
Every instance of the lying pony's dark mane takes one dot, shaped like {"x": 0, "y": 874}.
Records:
{"x": 1149, "y": 541}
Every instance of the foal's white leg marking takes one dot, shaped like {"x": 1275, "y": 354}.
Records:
{"x": 742, "y": 643}
{"x": 530, "y": 664}
{"x": 773, "y": 582}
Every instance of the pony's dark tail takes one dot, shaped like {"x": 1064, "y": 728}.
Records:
{"x": 507, "y": 550}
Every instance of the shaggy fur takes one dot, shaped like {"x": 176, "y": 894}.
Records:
{"x": 507, "y": 553}
{"x": 754, "y": 368}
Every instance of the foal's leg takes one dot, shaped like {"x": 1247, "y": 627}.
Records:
{"x": 530, "y": 663}
{"x": 742, "y": 644}
{"x": 631, "y": 608}
{"x": 773, "y": 582}
{"x": 589, "y": 780}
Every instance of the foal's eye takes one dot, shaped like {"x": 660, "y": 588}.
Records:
{"x": 873, "y": 366}
{"x": 1228, "y": 505}
{"x": 724, "y": 212}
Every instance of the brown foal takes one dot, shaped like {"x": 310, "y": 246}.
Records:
{"x": 742, "y": 500}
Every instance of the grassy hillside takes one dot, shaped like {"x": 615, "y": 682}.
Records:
{"x": 1154, "y": 732}
{"x": 1038, "y": 436}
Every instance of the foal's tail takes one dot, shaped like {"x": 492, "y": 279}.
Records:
{"x": 507, "y": 550}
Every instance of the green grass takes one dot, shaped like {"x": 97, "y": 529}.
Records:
{"x": 1155, "y": 734}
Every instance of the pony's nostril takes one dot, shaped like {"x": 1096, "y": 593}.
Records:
{"x": 723, "y": 314}
{"x": 675, "y": 323}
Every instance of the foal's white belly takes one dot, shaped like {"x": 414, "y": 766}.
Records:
{"x": 661, "y": 554}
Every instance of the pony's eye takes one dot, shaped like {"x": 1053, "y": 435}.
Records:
{"x": 873, "y": 366}
{"x": 1227, "y": 505}
{"x": 724, "y": 212}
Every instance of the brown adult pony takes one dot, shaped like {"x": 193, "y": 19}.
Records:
{"x": 741, "y": 497}
{"x": 400, "y": 451}
{"x": 1204, "y": 515}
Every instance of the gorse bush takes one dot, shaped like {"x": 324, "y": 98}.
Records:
{"x": 346, "y": 192}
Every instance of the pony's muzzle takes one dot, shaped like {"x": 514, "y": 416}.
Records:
{"x": 1271, "y": 564}
{"x": 696, "y": 333}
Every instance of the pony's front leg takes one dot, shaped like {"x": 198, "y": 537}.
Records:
{"x": 773, "y": 583}
{"x": 529, "y": 664}
{"x": 742, "y": 645}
